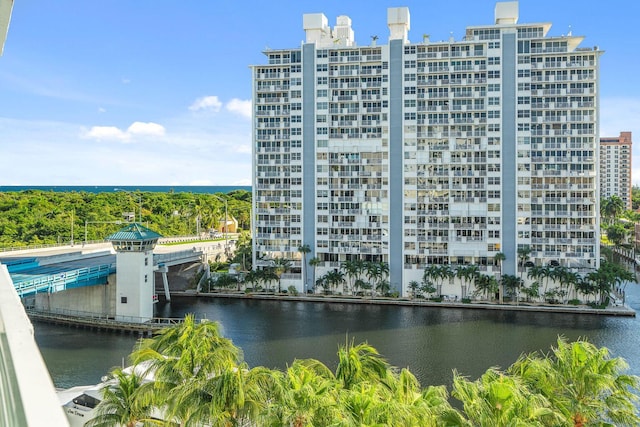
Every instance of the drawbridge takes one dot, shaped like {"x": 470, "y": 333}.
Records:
{"x": 32, "y": 275}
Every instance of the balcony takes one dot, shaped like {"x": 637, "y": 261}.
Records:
{"x": 27, "y": 394}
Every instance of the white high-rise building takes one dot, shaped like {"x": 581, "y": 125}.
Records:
{"x": 427, "y": 152}
{"x": 615, "y": 167}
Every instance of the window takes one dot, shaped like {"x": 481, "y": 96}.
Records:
{"x": 494, "y": 87}
{"x": 322, "y": 68}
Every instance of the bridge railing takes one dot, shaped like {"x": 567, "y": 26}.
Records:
{"x": 173, "y": 256}
{"x": 107, "y": 318}
{"x": 58, "y": 282}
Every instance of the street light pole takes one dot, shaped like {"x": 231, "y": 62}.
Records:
{"x": 139, "y": 200}
{"x": 226, "y": 224}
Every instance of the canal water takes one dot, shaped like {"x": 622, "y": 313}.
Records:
{"x": 431, "y": 342}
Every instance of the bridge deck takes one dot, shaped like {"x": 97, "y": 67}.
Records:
{"x": 64, "y": 268}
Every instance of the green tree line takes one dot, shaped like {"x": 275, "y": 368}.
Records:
{"x": 200, "y": 379}
{"x": 35, "y": 217}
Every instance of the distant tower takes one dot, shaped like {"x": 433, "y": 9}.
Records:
{"x": 134, "y": 272}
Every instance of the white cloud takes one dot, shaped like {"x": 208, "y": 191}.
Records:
{"x": 102, "y": 110}
{"x": 107, "y": 132}
{"x": 240, "y": 106}
{"x": 136, "y": 129}
{"x": 150, "y": 129}
{"x": 211, "y": 103}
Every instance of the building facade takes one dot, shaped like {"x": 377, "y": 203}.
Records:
{"x": 615, "y": 167}
{"x": 413, "y": 154}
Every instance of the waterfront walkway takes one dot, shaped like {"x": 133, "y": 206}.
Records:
{"x": 621, "y": 310}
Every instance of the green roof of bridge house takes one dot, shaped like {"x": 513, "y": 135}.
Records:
{"x": 134, "y": 232}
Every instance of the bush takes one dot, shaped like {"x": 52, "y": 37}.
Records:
{"x": 293, "y": 291}
{"x": 574, "y": 302}
{"x": 248, "y": 290}
{"x": 466, "y": 300}
{"x": 435, "y": 299}
{"x": 597, "y": 305}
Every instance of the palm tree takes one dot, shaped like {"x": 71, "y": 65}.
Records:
{"x": 537, "y": 273}
{"x": 308, "y": 397}
{"x": 266, "y": 276}
{"x": 351, "y": 269}
{"x": 617, "y": 235}
{"x": 190, "y": 351}
{"x": 612, "y": 208}
{"x": 439, "y": 273}
{"x": 358, "y": 363}
{"x": 501, "y": 400}
{"x": 334, "y": 278}
{"x": 583, "y": 383}
{"x": 466, "y": 273}
{"x": 314, "y": 262}
{"x": 487, "y": 285}
{"x": 377, "y": 273}
{"x": 428, "y": 288}
{"x": 499, "y": 258}
{"x": 383, "y": 287}
{"x": 523, "y": 258}
{"x": 122, "y": 402}
{"x": 233, "y": 397}
{"x": 281, "y": 265}
{"x": 512, "y": 284}
{"x": 304, "y": 250}
{"x": 414, "y": 285}
{"x": 252, "y": 277}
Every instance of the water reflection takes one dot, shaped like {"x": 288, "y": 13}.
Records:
{"x": 430, "y": 341}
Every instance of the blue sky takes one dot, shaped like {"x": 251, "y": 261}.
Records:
{"x": 156, "y": 92}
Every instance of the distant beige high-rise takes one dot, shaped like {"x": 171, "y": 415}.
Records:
{"x": 615, "y": 167}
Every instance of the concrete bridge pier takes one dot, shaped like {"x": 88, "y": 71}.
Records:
{"x": 165, "y": 281}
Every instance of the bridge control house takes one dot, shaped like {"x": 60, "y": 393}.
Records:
{"x": 135, "y": 288}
